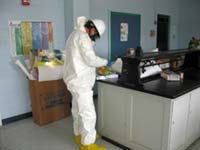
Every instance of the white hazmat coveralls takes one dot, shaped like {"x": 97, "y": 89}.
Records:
{"x": 79, "y": 76}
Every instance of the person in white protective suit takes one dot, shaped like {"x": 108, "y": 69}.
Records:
{"x": 79, "y": 76}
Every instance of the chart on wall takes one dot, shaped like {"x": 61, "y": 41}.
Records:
{"x": 125, "y": 33}
{"x": 28, "y": 35}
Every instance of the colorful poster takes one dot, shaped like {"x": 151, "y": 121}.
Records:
{"x": 26, "y": 36}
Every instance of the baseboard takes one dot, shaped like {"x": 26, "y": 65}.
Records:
{"x": 115, "y": 143}
{"x": 16, "y": 118}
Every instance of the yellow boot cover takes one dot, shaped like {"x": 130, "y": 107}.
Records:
{"x": 78, "y": 138}
{"x": 92, "y": 147}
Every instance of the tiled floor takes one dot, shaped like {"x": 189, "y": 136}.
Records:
{"x": 25, "y": 135}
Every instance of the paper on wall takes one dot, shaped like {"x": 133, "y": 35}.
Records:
{"x": 30, "y": 35}
{"x": 47, "y": 73}
{"x": 124, "y": 32}
{"x": 24, "y": 69}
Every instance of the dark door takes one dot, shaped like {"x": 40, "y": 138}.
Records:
{"x": 163, "y": 32}
{"x": 118, "y": 46}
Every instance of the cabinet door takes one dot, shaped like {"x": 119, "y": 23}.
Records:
{"x": 179, "y": 122}
{"x": 193, "y": 128}
{"x": 146, "y": 123}
{"x": 112, "y": 111}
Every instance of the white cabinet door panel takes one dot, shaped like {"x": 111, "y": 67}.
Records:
{"x": 193, "y": 128}
{"x": 113, "y": 111}
{"x": 147, "y": 120}
{"x": 143, "y": 121}
{"x": 179, "y": 122}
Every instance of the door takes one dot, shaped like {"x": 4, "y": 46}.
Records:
{"x": 125, "y": 33}
{"x": 163, "y": 32}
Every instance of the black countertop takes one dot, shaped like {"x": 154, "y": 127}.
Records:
{"x": 162, "y": 87}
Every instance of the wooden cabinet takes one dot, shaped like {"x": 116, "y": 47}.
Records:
{"x": 148, "y": 122}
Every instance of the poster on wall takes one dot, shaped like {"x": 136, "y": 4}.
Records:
{"x": 124, "y": 32}
{"x": 30, "y": 35}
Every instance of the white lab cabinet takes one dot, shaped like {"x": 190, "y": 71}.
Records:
{"x": 143, "y": 121}
{"x": 113, "y": 119}
{"x": 193, "y": 126}
{"x": 178, "y": 124}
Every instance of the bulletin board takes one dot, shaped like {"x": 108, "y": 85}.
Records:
{"x": 30, "y": 35}
{"x": 125, "y": 33}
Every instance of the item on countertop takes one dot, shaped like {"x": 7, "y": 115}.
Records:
{"x": 172, "y": 76}
{"x": 104, "y": 77}
{"x": 58, "y": 53}
{"x": 104, "y": 71}
{"x": 131, "y": 52}
{"x": 149, "y": 71}
{"x": 109, "y": 64}
{"x": 193, "y": 44}
{"x": 139, "y": 51}
{"x": 117, "y": 66}
{"x": 175, "y": 64}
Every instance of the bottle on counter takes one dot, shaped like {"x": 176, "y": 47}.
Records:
{"x": 131, "y": 52}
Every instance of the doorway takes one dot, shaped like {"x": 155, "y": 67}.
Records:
{"x": 163, "y": 32}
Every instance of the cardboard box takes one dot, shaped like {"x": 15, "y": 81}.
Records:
{"x": 50, "y": 101}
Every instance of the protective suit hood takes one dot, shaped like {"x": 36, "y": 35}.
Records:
{"x": 80, "y": 23}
